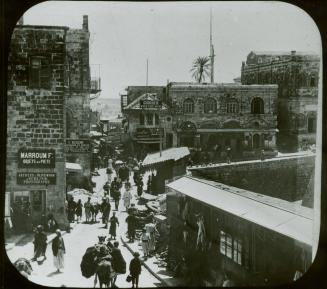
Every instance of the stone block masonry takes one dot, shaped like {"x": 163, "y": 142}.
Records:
{"x": 284, "y": 178}
{"x": 36, "y": 118}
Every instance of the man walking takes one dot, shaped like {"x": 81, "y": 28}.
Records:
{"x": 113, "y": 226}
{"x": 71, "y": 209}
{"x": 115, "y": 192}
{"x": 118, "y": 261}
{"x": 105, "y": 208}
{"x": 145, "y": 243}
{"x": 87, "y": 207}
{"x": 127, "y": 196}
{"x": 40, "y": 243}
{"x": 135, "y": 270}
{"x": 131, "y": 226}
{"x": 58, "y": 249}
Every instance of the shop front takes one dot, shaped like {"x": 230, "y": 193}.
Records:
{"x": 231, "y": 235}
{"x": 37, "y": 189}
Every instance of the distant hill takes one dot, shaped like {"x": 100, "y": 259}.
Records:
{"x": 108, "y": 106}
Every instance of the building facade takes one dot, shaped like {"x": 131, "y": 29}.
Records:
{"x": 147, "y": 124}
{"x": 297, "y": 76}
{"x": 48, "y": 94}
{"x": 217, "y": 116}
{"x": 80, "y": 89}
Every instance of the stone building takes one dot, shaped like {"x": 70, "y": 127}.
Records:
{"x": 217, "y": 116}
{"x": 147, "y": 124}
{"x": 48, "y": 95}
{"x": 146, "y": 113}
{"x": 80, "y": 89}
{"x": 297, "y": 76}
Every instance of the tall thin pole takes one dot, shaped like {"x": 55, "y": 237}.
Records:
{"x": 212, "y": 53}
{"x": 147, "y": 72}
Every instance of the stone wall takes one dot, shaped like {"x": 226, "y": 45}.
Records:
{"x": 78, "y": 91}
{"x": 285, "y": 178}
{"x": 35, "y": 115}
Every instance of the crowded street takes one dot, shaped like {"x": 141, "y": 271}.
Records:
{"x": 132, "y": 162}
{"x": 77, "y": 241}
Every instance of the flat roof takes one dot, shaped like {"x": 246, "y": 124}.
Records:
{"x": 291, "y": 223}
{"x": 219, "y": 85}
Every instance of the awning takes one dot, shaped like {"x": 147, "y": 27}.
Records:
{"x": 73, "y": 167}
{"x": 166, "y": 155}
{"x": 293, "y": 224}
{"x": 95, "y": 133}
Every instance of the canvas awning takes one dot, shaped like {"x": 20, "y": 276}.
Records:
{"x": 73, "y": 167}
{"x": 166, "y": 155}
{"x": 292, "y": 224}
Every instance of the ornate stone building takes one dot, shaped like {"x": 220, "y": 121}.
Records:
{"x": 217, "y": 116}
{"x": 297, "y": 76}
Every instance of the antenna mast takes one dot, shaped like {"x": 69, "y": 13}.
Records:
{"x": 212, "y": 53}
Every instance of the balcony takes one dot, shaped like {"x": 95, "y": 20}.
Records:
{"x": 95, "y": 84}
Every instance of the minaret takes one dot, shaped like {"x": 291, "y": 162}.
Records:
{"x": 212, "y": 52}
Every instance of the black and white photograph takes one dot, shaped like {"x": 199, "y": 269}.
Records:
{"x": 163, "y": 144}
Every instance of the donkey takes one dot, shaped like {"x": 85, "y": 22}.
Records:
{"x": 106, "y": 274}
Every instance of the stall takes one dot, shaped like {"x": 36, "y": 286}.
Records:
{"x": 165, "y": 166}
{"x": 253, "y": 238}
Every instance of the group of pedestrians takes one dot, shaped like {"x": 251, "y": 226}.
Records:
{"x": 74, "y": 210}
{"x": 40, "y": 247}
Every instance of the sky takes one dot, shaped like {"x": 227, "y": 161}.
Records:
{"x": 123, "y": 35}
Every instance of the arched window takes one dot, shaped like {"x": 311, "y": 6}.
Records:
{"x": 312, "y": 81}
{"x": 232, "y": 106}
{"x": 188, "y": 106}
{"x": 257, "y": 106}
{"x": 210, "y": 105}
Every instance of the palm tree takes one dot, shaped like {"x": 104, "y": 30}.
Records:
{"x": 200, "y": 68}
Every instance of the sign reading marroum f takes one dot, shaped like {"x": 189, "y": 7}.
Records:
{"x": 36, "y": 158}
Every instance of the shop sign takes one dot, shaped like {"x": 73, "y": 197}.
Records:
{"x": 78, "y": 146}
{"x": 147, "y": 103}
{"x": 36, "y": 158}
{"x": 36, "y": 178}
{"x": 148, "y": 132}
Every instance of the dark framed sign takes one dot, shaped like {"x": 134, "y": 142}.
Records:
{"x": 147, "y": 103}
{"x": 36, "y": 178}
{"x": 148, "y": 132}
{"x": 36, "y": 158}
{"x": 78, "y": 146}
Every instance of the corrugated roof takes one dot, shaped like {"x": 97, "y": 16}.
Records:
{"x": 166, "y": 155}
{"x": 286, "y": 222}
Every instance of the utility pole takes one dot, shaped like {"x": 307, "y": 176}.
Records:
{"x": 212, "y": 52}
